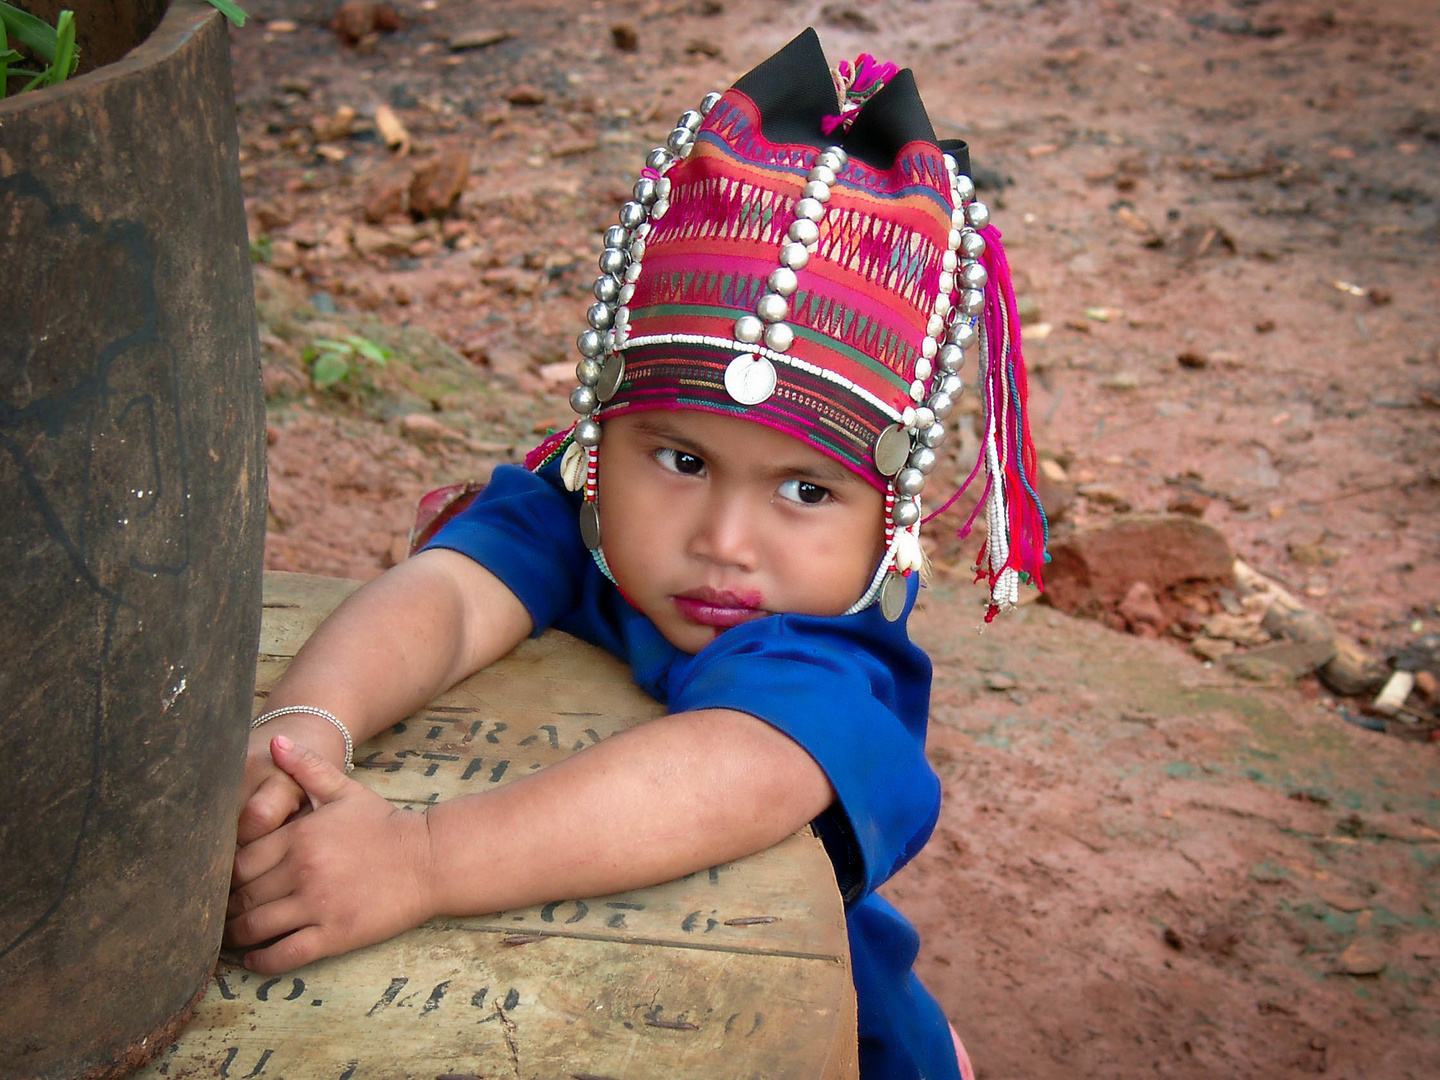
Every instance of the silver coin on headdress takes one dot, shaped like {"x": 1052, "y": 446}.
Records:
{"x": 892, "y": 597}
{"x": 750, "y": 379}
{"x": 892, "y": 450}
{"x": 590, "y": 525}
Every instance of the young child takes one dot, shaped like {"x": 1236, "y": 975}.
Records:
{"x": 783, "y": 312}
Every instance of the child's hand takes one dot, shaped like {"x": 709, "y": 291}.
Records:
{"x": 354, "y": 872}
{"x": 270, "y": 796}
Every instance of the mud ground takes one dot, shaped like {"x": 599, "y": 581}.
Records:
{"x": 1224, "y": 222}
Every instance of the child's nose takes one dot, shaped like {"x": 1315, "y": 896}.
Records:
{"x": 726, "y": 533}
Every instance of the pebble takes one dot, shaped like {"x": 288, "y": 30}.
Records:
{"x": 477, "y": 37}
{"x": 998, "y": 680}
{"x": 1105, "y": 495}
{"x": 1427, "y": 684}
{"x": 1212, "y": 649}
{"x": 438, "y": 183}
{"x": 1364, "y": 956}
{"x": 1141, "y": 611}
{"x": 624, "y": 37}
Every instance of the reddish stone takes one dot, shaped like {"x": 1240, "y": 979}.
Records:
{"x": 1092, "y": 571}
{"x": 438, "y": 183}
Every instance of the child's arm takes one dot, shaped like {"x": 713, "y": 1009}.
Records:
{"x": 650, "y": 804}
{"x": 385, "y": 652}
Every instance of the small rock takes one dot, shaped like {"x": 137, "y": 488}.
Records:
{"x": 1029, "y": 310}
{"x": 1352, "y": 672}
{"x": 438, "y": 183}
{"x": 1192, "y": 359}
{"x": 386, "y": 197}
{"x": 1341, "y": 899}
{"x": 357, "y": 20}
{"x": 270, "y": 217}
{"x": 336, "y": 125}
{"x": 1105, "y": 495}
{"x": 1121, "y": 380}
{"x": 702, "y": 47}
{"x": 1282, "y": 662}
{"x": 848, "y": 17}
{"x": 1364, "y": 956}
{"x": 1092, "y": 569}
{"x": 624, "y": 37}
{"x": 1241, "y": 629}
{"x": 998, "y": 680}
{"x": 1212, "y": 649}
{"x": 525, "y": 94}
{"x": 284, "y": 254}
{"x": 1427, "y": 684}
{"x": 1141, "y": 611}
{"x": 1296, "y": 624}
{"x": 1173, "y": 939}
{"x": 1190, "y": 503}
{"x": 477, "y": 37}
{"x": 379, "y": 242}
{"x": 422, "y": 429}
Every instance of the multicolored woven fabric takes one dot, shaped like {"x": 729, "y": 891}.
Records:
{"x": 863, "y": 301}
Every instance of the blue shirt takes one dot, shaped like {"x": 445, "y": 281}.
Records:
{"x": 852, "y": 690}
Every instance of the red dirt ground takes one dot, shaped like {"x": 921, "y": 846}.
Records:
{"x": 1223, "y": 217}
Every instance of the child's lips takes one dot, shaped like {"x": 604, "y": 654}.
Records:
{"x": 720, "y": 608}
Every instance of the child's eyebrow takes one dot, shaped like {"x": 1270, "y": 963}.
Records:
{"x": 824, "y": 472}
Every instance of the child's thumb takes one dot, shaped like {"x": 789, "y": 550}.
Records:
{"x": 321, "y": 781}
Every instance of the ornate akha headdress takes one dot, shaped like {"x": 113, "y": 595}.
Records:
{"x": 826, "y": 275}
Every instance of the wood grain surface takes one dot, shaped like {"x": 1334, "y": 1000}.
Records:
{"x": 738, "y": 971}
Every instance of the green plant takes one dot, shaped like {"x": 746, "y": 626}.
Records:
{"x": 54, "y": 47}
{"x": 261, "y": 248}
{"x": 335, "y": 363}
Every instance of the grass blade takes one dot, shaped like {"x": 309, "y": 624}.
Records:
{"x": 230, "y": 10}
{"x": 37, "y": 36}
{"x": 67, "y": 57}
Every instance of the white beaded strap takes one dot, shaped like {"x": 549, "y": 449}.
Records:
{"x": 311, "y": 710}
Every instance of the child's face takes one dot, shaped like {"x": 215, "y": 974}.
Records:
{"x": 709, "y": 521}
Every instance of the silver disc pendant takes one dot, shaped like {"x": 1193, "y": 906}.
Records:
{"x": 590, "y": 526}
{"x": 892, "y": 596}
{"x": 611, "y": 376}
{"x": 892, "y": 450}
{"x": 750, "y": 379}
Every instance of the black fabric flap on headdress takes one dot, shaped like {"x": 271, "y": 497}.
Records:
{"x": 793, "y": 91}
{"x": 893, "y": 117}
{"x": 960, "y": 151}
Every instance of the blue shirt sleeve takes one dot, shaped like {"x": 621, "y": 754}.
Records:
{"x": 852, "y": 691}
{"x": 523, "y": 528}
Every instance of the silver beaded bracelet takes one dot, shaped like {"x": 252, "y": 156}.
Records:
{"x": 311, "y": 710}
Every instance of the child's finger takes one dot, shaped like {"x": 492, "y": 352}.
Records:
{"x": 321, "y": 781}
{"x": 277, "y": 797}
{"x": 268, "y": 887}
{"x": 257, "y": 858}
{"x": 266, "y": 922}
{"x": 290, "y": 952}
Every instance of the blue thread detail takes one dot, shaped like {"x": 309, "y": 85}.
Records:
{"x": 1019, "y": 459}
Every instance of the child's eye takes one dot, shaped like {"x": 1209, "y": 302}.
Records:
{"x": 681, "y": 462}
{"x": 803, "y": 492}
